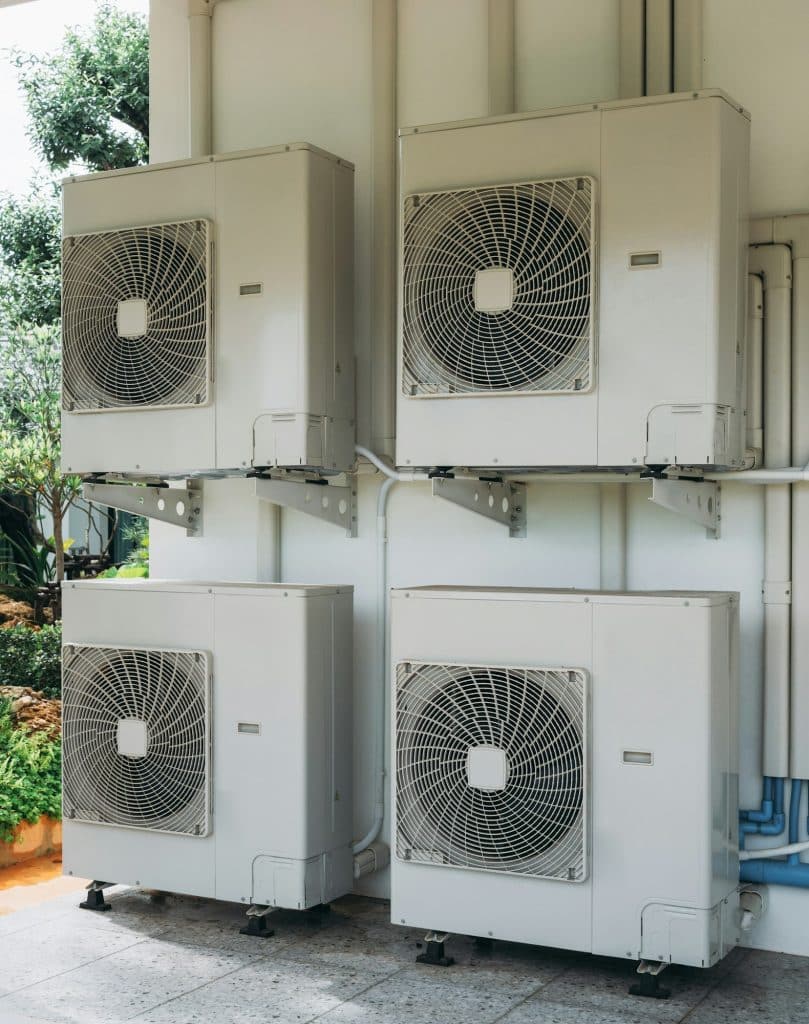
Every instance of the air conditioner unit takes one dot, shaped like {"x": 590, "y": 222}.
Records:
{"x": 207, "y": 738}
{"x": 565, "y": 769}
{"x": 572, "y": 287}
{"x": 207, "y": 316}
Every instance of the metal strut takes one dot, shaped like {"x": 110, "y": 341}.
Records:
{"x": 175, "y": 505}
{"x": 697, "y": 500}
{"x": 504, "y": 502}
{"x": 333, "y": 503}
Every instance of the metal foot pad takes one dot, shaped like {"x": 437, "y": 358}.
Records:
{"x": 434, "y": 956}
{"x": 257, "y": 923}
{"x": 95, "y": 898}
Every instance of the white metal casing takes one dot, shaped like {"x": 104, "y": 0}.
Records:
{"x": 670, "y": 176}
{"x": 282, "y": 387}
{"x": 662, "y": 869}
{"x": 281, "y": 659}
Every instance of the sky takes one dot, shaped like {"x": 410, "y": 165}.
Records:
{"x": 37, "y": 27}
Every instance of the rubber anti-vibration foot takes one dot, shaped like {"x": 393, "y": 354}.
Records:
{"x": 95, "y": 901}
{"x": 434, "y": 955}
{"x": 257, "y": 927}
{"x": 648, "y": 985}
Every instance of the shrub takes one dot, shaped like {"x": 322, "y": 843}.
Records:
{"x": 32, "y": 657}
{"x": 30, "y": 775}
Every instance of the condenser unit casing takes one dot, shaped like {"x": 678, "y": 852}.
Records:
{"x": 572, "y": 287}
{"x": 565, "y": 769}
{"x": 207, "y": 738}
{"x": 207, "y": 316}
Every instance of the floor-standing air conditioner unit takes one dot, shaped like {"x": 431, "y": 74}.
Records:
{"x": 207, "y": 738}
{"x": 565, "y": 769}
{"x": 207, "y": 316}
{"x": 572, "y": 287}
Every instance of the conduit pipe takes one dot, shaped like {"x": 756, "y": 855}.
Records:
{"x": 659, "y": 47}
{"x": 774, "y": 265}
{"x": 501, "y": 57}
{"x": 200, "y": 13}
{"x": 392, "y": 477}
{"x": 631, "y": 48}
{"x": 755, "y": 368}
{"x": 687, "y": 45}
{"x": 613, "y": 533}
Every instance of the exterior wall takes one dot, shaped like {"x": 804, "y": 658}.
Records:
{"x": 289, "y": 72}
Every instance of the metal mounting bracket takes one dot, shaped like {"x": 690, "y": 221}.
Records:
{"x": 503, "y": 502}
{"x": 333, "y": 503}
{"x": 179, "y": 506}
{"x": 698, "y": 500}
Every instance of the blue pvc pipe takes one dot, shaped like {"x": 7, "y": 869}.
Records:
{"x": 794, "y": 818}
{"x": 766, "y": 812}
{"x": 774, "y": 872}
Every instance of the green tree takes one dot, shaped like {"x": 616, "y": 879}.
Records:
{"x": 89, "y": 103}
{"x": 30, "y": 446}
{"x": 30, "y": 242}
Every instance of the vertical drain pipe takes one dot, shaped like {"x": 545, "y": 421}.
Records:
{"x": 687, "y": 45}
{"x": 773, "y": 264}
{"x": 631, "y": 48}
{"x": 501, "y": 57}
{"x": 659, "y": 47}
{"x": 795, "y": 230}
{"x": 200, "y": 13}
{"x": 755, "y": 369}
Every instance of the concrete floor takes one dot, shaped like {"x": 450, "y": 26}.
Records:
{"x": 183, "y": 961}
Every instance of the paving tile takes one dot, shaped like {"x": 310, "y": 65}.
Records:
{"x": 417, "y": 996}
{"x": 124, "y": 984}
{"x": 57, "y": 946}
{"x": 269, "y": 990}
{"x": 601, "y": 984}
{"x": 773, "y": 970}
{"x": 748, "y": 1004}
{"x": 540, "y": 1011}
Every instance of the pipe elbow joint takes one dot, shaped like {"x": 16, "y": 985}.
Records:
{"x": 774, "y": 827}
{"x": 761, "y": 816}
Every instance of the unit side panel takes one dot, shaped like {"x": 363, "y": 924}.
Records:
{"x": 260, "y": 289}
{"x": 725, "y": 752}
{"x": 498, "y": 430}
{"x": 654, "y": 824}
{"x": 658, "y": 331}
{"x": 260, "y": 756}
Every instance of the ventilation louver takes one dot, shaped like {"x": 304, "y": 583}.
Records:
{"x": 136, "y": 738}
{"x": 491, "y": 768}
{"x": 135, "y": 317}
{"x": 498, "y": 289}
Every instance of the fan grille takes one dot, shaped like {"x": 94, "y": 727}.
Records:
{"x": 542, "y": 340}
{"x": 166, "y": 789}
{"x": 164, "y": 362}
{"x": 532, "y": 823}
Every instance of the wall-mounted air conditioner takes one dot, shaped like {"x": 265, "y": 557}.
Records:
{"x": 572, "y": 287}
{"x": 207, "y": 311}
{"x": 565, "y": 769}
{"x": 207, "y": 738}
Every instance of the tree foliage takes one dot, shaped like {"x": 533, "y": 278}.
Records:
{"x": 30, "y": 241}
{"x": 89, "y": 103}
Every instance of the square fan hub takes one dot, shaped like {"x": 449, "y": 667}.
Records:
{"x": 493, "y": 290}
{"x": 132, "y": 318}
{"x": 132, "y": 737}
{"x": 486, "y": 768}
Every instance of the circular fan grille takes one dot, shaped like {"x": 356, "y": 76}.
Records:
{"x": 164, "y": 360}
{"x": 541, "y": 340}
{"x": 531, "y": 822}
{"x": 164, "y": 790}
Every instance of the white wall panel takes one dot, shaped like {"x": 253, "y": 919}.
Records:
{"x": 757, "y": 53}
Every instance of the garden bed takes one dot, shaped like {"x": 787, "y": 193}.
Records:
{"x": 31, "y": 841}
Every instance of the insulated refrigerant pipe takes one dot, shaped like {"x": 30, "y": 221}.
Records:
{"x": 200, "y": 13}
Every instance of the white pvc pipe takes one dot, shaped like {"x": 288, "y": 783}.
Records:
{"x": 659, "y": 23}
{"x": 773, "y": 264}
{"x": 631, "y": 48}
{"x": 199, "y": 77}
{"x": 774, "y": 851}
{"x": 755, "y": 366}
{"x": 383, "y": 223}
{"x": 687, "y": 45}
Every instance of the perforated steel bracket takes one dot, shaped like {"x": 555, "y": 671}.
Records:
{"x": 697, "y": 500}
{"x": 504, "y": 502}
{"x": 179, "y": 506}
{"x": 333, "y": 503}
